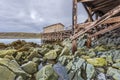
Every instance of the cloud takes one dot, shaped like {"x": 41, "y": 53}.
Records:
{"x": 33, "y": 15}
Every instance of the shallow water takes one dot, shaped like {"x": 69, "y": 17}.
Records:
{"x": 7, "y": 41}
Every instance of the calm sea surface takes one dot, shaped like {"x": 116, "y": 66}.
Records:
{"x": 7, "y": 41}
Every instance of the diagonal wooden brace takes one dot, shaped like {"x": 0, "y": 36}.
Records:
{"x": 115, "y": 26}
{"x": 108, "y": 21}
{"x": 98, "y": 22}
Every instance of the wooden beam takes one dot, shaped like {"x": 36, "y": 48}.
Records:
{"x": 115, "y": 26}
{"x": 85, "y": 0}
{"x": 108, "y": 21}
{"x": 74, "y": 25}
{"x": 89, "y": 12}
{"x": 74, "y": 16}
{"x": 103, "y": 3}
{"x": 104, "y": 6}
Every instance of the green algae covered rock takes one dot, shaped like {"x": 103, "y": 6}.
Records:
{"x": 58, "y": 48}
{"x": 116, "y": 65}
{"x": 18, "y": 56}
{"x": 85, "y": 57}
{"x": 80, "y": 51}
{"x": 14, "y": 67}
{"x": 47, "y": 73}
{"x": 51, "y": 55}
{"x": 100, "y": 48}
{"x": 91, "y": 54}
{"x": 97, "y": 61}
{"x": 69, "y": 66}
{"x": 114, "y": 73}
{"x": 2, "y": 46}
{"x": 109, "y": 59}
{"x": 10, "y": 57}
{"x": 6, "y": 74}
{"x": 7, "y": 52}
{"x": 102, "y": 70}
{"x": 33, "y": 53}
{"x": 67, "y": 42}
{"x": 44, "y": 51}
{"x": 116, "y": 55}
{"x": 77, "y": 63}
{"x": 65, "y": 59}
{"x": 29, "y": 67}
{"x": 19, "y": 78}
{"x": 65, "y": 51}
{"x": 90, "y": 71}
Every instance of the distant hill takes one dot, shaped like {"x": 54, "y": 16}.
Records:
{"x": 14, "y": 35}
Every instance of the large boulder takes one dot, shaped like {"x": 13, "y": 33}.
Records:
{"x": 7, "y": 52}
{"x": 97, "y": 62}
{"x": 116, "y": 65}
{"x": 90, "y": 71}
{"x": 2, "y": 46}
{"x": 47, "y": 73}
{"x": 14, "y": 67}
{"x": 61, "y": 71}
{"x": 65, "y": 51}
{"x": 33, "y": 53}
{"x": 6, "y": 74}
{"x": 29, "y": 67}
{"x": 19, "y": 78}
{"x": 114, "y": 73}
{"x": 51, "y": 55}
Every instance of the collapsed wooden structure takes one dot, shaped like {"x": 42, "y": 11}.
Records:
{"x": 103, "y": 16}
{"x": 55, "y": 36}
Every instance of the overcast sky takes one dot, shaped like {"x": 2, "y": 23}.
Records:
{"x": 33, "y": 15}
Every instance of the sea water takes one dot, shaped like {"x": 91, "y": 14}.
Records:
{"x": 7, "y": 41}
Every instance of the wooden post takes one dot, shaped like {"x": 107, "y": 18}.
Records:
{"x": 74, "y": 25}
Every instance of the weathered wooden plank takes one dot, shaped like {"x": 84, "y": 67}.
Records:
{"x": 108, "y": 21}
{"x": 84, "y": 0}
{"x": 108, "y": 5}
{"x": 115, "y": 26}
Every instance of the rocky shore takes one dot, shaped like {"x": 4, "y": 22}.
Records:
{"x": 22, "y": 60}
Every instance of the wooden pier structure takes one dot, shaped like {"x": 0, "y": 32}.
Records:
{"x": 103, "y": 16}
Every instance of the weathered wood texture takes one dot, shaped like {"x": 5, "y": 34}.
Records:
{"x": 98, "y": 22}
{"x": 56, "y": 36}
{"x": 112, "y": 27}
{"x": 101, "y": 5}
{"x": 108, "y": 21}
{"x": 53, "y": 28}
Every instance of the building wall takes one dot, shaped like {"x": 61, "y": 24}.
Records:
{"x": 54, "y": 28}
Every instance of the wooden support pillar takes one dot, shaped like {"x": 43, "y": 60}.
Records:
{"x": 90, "y": 19}
{"x": 74, "y": 25}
